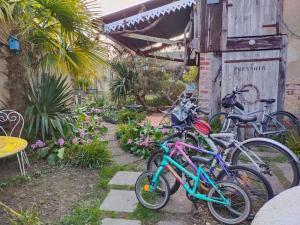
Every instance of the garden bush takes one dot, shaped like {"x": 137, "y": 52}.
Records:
{"x": 157, "y": 101}
{"x": 293, "y": 142}
{"x": 125, "y": 115}
{"x": 94, "y": 155}
{"x": 137, "y": 139}
{"x": 48, "y": 103}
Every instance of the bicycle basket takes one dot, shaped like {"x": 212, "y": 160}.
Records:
{"x": 228, "y": 101}
{"x": 202, "y": 126}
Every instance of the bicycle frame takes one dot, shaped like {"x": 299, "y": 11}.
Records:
{"x": 264, "y": 117}
{"x": 168, "y": 162}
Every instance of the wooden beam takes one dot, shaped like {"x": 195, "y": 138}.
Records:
{"x": 282, "y": 74}
{"x": 151, "y": 39}
{"x": 164, "y": 58}
{"x": 254, "y": 43}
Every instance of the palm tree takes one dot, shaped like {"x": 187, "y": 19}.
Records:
{"x": 57, "y": 36}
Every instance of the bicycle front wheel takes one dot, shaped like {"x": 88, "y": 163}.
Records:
{"x": 154, "y": 162}
{"x": 237, "y": 211}
{"x": 277, "y": 165}
{"x": 258, "y": 187}
{"x": 152, "y": 198}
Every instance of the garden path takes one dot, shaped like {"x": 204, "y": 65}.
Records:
{"x": 119, "y": 156}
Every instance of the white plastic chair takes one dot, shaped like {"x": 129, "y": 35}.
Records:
{"x": 12, "y": 124}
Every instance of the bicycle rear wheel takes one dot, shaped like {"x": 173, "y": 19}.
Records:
{"x": 240, "y": 206}
{"x": 275, "y": 123}
{"x": 258, "y": 187}
{"x": 152, "y": 199}
{"x": 277, "y": 165}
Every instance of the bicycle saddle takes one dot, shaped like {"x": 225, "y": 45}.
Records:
{"x": 201, "y": 160}
{"x": 242, "y": 118}
{"x": 268, "y": 101}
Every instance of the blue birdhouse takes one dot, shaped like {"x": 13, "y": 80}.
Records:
{"x": 14, "y": 44}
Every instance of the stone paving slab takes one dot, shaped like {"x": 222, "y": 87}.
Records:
{"x": 120, "y": 201}
{"x": 125, "y": 159}
{"x": 108, "y": 221}
{"x": 179, "y": 203}
{"x": 125, "y": 178}
{"x": 172, "y": 222}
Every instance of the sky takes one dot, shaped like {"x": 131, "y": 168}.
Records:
{"x": 109, "y": 6}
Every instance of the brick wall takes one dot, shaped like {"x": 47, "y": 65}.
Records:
{"x": 292, "y": 98}
{"x": 205, "y": 85}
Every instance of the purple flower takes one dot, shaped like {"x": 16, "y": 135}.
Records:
{"x": 60, "y": 142}
{"x": 129, "y": 141}
{"x": 33, "y": 146}
{"x": 39, "y": 144}
{"x": 81, "y": 133}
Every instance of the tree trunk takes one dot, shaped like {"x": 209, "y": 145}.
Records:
{"x": 17, "y": 81}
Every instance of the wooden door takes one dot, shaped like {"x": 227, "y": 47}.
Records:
{"x": 252, "y": 17}
{"x": 257, "y": 71}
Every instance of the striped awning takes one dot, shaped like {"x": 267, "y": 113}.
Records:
{"x": 148, "y": 15}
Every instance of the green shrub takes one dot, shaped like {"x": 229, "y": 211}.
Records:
{"x": 94, "y": 155}
{"x": 48, "y": 100}
{"x": 138, "y": 139}
{"x": 129, "y": 115}
{"x": 157, "y": 101}
{"x": 128, "y": 131}
{"x": 293, "y": 142}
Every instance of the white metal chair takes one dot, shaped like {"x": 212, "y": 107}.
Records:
{"x": 12, "y": 124}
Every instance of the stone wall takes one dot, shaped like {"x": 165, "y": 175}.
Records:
{"x": 4, "y": 92}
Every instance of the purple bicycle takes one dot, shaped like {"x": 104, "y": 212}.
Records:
{"x": 257, "y": 186}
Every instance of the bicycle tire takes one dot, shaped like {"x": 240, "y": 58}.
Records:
{"x": 257, "y": 197}
{"x": 221, "y": 218}
{"x": 291, "y": 124}
{"x": 142, "y": 200}
{"x": 174, "y": 186}
{"x": 278, "y": 154}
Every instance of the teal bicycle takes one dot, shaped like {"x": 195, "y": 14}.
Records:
{"x": 227, "y": 202}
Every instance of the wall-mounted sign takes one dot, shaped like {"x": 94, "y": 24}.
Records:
{"x": 249, "y": 68}
{"x": 212, "y": 2}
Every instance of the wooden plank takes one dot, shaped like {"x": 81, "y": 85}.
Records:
{"x": 163, "y": 58}
{"x": 253, "y": 60}
{"x": 252, "y": 43}
{"x": 151, "y": 39}
{"x": 248, "y": 17}
{"x": 282, "y": 74}
{"x": 211, "y": 24}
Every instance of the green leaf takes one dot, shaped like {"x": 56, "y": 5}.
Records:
{"x": 52, "y": 159}
{"x": 60, "y": 153}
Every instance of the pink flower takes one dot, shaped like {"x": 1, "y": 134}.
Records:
{"x": 164, "y": 131}
{"x": 145, "y": 143}
{"x": 87, "y": 119}
{"x": 129, "y": 141}
{"x": 75, "y": 141}
{"x": 33, "y": 146}
{"x": 60, "y": 142}
{"x": 39, "y": 144}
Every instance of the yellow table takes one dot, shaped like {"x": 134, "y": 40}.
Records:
{"x": 11, "y": 146}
